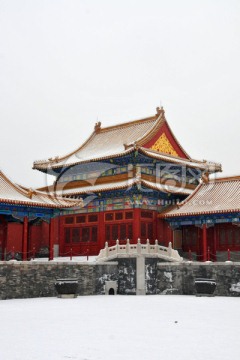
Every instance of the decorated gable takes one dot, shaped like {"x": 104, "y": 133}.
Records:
{"x": 165, "y": 142}
{"x": 163, "y": 145}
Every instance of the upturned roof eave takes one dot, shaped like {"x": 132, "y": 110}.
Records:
{"x": 153, "y": 154}
{"x": 179, "y": 211}
{"x": 26, "y": 203}
{"x": 178, "y": 160}
{"x": 193, "y": 214}
{"x": 28, "y": 194}
{"x": 43, "y": 164}
{"x": 127, "y": 184}
{"x": 35, "y": 204}
{"x": 182, "y": 203}
{"x": 56, "y": 205}
{"x": 110, "y": 156}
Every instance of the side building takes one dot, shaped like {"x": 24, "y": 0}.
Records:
{"x": 28, "y": 221}
{"x": 126, "y": 175}
{"x": 206, "y": 226}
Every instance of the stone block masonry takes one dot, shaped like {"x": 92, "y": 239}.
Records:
{"x": 179, "y": 278}
{"x": 37, "y": 279}
{"x": 127, "y": 276}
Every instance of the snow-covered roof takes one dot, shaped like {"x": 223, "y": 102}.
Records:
{"x": 217, "y": 196}
{"x": 210, "y": 167}
{"x": 11, "y": 193}
{"x": 122, "y": 139}
{"x": 125, "y": 184}
{"x": 104, "y": 142}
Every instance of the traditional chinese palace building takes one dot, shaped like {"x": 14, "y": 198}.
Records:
{"x": 127, "y": 175}
{"x": 128, "y": 181}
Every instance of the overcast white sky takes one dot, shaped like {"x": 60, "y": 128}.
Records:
{"x": 64, "y": 64}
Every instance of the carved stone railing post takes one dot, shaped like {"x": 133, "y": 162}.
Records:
{"x": 106, "y": 249}
{"x": 127, "y": 247}
{"x": 148, "y": 246}
{"x": 169, "y": 251}
{"x": 139, "y": 247}
{"x": 117, "y": 246}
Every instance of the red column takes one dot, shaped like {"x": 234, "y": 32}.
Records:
{"x": 198, "y": 246}
{"x": 61, "y": 236}
{"x": 25, "y": 238}
{"x": 204, "y": 241}
{"x": 51, "y": 239}
{"x": 155, "y": 220}
{"x": 136, "y": 225}
{"x": 3, "y": 236}
{"x": 215, "y": 242}
{"x": 101, "y": 231}
{"x": 170, "y": 235}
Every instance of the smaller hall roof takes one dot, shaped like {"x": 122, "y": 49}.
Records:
{"x": 11, "y": 193}
{"x": 217, "y": 196}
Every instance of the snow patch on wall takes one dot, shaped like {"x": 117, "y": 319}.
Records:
{"x": 168, "y": 275}
{"x": 235, "y": 287}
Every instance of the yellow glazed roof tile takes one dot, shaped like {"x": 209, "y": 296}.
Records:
{"x": 218, "y": 196}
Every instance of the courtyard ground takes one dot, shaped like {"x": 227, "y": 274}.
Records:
{"x": 120, "y": 327}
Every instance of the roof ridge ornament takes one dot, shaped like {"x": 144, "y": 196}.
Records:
{"x": 205, "y": 177}
{"x": 97, "y": 127}
{"x": 30, "y": 193}
{"x": 52, "y": 159}
{"x": 159, "y": 110}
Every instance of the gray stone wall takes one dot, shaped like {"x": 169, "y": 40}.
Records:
{"x": 151, "y": 270}
{"x": 102, "y": 273}
{"x": 37, "y": 279}
{"x": 126, "y": 276}
{"x": 179, "y": 278}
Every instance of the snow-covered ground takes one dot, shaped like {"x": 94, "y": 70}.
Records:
{"x": 120, "y": 327}
{"x": 68, "y": 258}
